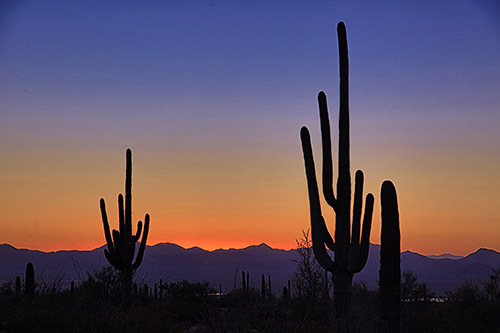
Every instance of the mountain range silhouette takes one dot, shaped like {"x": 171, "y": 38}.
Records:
{"x": 172, "y": 262}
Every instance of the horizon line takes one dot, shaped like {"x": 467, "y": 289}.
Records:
{"x": 233, "y": 248}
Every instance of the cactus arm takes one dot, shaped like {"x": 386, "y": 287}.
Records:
{"x": 118, "y": 247}
{"x": 128, "y": 195}
{"x": 110, "y": 258}
{"x": 327, "y": 151}
{"x": 121, "y": 217}
{"x": 129, "y": 255}
{"x": 357, "y": 206}
{"x": 138, "y": 234}
{"x": 105, "y": 223}
{"x": 365, "y": 236}
{"x": 142, "y": 247}
{"x": 328, "y": 239}
{"x": 354, "y": 250}
{"x": 319, "y": 232}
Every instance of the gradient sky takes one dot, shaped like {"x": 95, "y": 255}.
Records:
{"x": 210, "y": 96}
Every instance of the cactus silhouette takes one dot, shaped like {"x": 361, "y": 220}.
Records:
{"x": 350, "y": 255}
{"x": 121, "y": 243}
{"x": 29, "y": 282}
{"x": 285, "y": 293}
{"x": 263, "y": 286}
{"x": 18, "y": 285}
{"x": 390, "y": 260}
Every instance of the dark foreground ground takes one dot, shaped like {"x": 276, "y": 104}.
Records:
{"x": 195, "y": 307}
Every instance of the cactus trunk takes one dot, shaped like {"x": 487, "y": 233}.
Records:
{"x": 126, "y": 285}
{"x": 342, "y": 288}
{"x": 390, "y": 260}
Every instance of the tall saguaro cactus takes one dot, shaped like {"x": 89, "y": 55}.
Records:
{"x": 351, "y": 254}
{"x": 121, "y": 243}
{"x": 390, "y": 260}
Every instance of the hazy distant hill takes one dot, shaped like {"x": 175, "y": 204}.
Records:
{"x": 171, "y": 262}
{"x": 445, "y": 256}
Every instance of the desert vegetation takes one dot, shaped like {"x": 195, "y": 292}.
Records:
{"x": 94, "y": 304}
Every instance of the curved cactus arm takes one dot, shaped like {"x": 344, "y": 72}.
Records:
{"x": 327, "y": 151}
{"x": 320, "y": 237}
{"x": 365, "y": 236}
{"x": 328, "y": 240}
{"x": 142, "y": 247}
{"x": 110, "y": 258}
{"x": 138, "y": 234}
{"x": 107, "y": 233}
{"x": 319, "y": 232}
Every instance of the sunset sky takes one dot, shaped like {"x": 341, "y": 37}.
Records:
{"x": 210, "y": 96}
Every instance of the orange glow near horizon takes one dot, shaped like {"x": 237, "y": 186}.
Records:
{"x": 198, "y": 203}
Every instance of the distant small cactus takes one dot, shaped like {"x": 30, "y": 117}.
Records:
{"x": 18, "y": 285}
{"x": 285, "y": 293}
{"x": 29, "y": 282}
{"x": 263, "y": 286}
